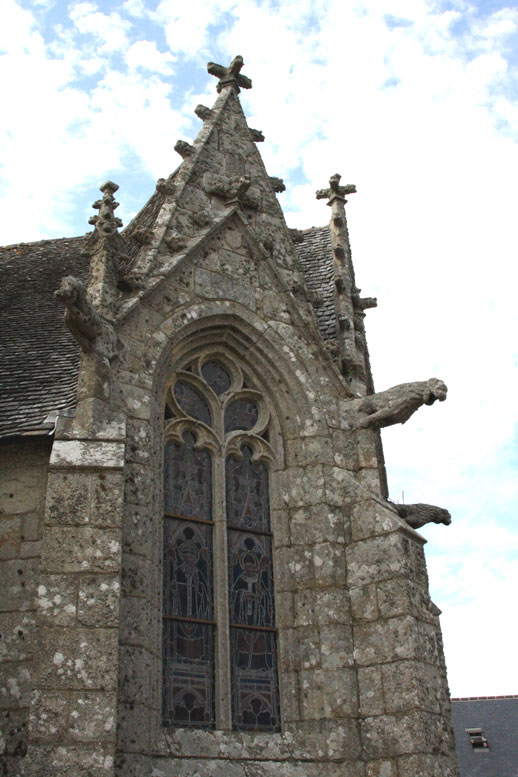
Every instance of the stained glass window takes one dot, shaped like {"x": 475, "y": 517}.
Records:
{"x": 247, "y": 493}
{"x": 255, "y": 694}
{"x": 188, "y": 625}
{"x": 241, "y": 414}
{"x": 190, "y": 632}
{"x": 216, "y": 376}
{"x": 191, "y": 401}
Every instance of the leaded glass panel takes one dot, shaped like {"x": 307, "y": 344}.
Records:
{"x": 187, "y": 569}
{"x": 188, "y": 674}
{"x": 250, "y": 579}
{"x": 216, "y": 376}
{"x": 255, "y": 692}
{"x": 241, "y": 414}
{"x": 187, "y": 479}
{"x": 192, "y": 402}
{"x": 247, "y": 493}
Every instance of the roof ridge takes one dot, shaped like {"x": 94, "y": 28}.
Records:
{"x": 40, "y": 242}
{"x": 484, "y": 698}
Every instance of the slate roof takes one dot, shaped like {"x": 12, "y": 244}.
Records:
{"x": 498, "y": 718}
{"x": 316, "y": 259}
{"x": 39, "y": 358}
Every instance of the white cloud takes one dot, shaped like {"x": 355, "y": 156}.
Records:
{"x": 145, "y": 54}
{"x": 109, "y": 30}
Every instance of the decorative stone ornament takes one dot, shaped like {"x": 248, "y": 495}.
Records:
{"x": 202, "y": 112}
{"x": 397, "y": 404}
{"x": 277, "y": 184}
{"x": 184, "y": 149}
{"x": 420, "y": 514}
{"x": 257, "y": 135}
{"x": 335, "y": 190}
{"x": 80, "y": 315}
{"x": 230, "y": 76}
{"x": 106, "y": 223}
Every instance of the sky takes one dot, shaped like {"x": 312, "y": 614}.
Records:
{"x": 415, "y": 102}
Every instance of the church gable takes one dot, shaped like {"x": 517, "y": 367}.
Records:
{"x": 223, "y": 587}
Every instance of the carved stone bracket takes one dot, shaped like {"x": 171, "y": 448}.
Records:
{"x": 364, "y": 303}
{"x": 233, "y": 190}
{"x": 418, "y": 515}
{"x": 277, "y": 184}
{"x": 257, "y": 135}
{"x": 202, "y": 112}
{"x": 165, "y": 187}
{"x": 397, "y": 404}
{"x": 202, "y": 219}
{"x": 81, "y": 317}
{"x": 184, "y": 149}
{"x": 176, "y": 243}
{"x": 142, "y": 236}
{"x": 230, "y": 76}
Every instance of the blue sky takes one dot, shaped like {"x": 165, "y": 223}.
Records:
{"x": 414, "y": 101}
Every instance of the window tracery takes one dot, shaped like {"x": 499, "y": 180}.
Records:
{"x": 219, "y": 639}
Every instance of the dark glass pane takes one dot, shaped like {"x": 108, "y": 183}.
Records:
{"x": 187, "y": 570}
{"x": 247, "y": 492}
{"x": 187, "y": 480}
{"x": 255, "y": 691}
{"x": 216, "y": 376}
{"x": 192, "y": 402}
{"x": 188, "y": 674}
{"x": 241, "y": 414}
{"x": 250, "y": 579}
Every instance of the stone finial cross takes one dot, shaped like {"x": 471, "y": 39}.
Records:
{"x": 335, "y": 191}
{"x": 106, "y": 223}
{"x": 230, "y": 76}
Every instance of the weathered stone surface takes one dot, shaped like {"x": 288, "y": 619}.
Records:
{"x": 16, "y": 629}
{"x": 18, "y": 584}
{"x": 78, "y": 658}
{"x": 81, "y": 549}
{"x": 98, "y": 600}
{"x": 76, "y": 498}
{"x": 92, "y": 716}
{"x": 15, "y": 684}
{"x": 57, "y": 599}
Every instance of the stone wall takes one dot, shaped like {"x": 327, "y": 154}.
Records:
{"x": 23, "y": 477}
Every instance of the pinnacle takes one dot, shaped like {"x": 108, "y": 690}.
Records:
{"x": 106, "y": 223}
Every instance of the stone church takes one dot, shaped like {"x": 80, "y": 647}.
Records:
{"x": 202, "y": 574}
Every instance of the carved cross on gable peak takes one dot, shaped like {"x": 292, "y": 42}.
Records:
{"x": 335, "y": 190}
{"x": 230, "y": 76}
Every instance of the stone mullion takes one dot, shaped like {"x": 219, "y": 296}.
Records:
{"x": 223, "y": 673}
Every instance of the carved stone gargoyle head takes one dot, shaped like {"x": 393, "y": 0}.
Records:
{"x": 434, "y": 389}
{"x": 418, "y": 515}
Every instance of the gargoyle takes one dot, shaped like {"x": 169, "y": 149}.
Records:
{"x": 397, "y": 404}
{"x": 420, "y": 514}
{"x": 80, "y": 315}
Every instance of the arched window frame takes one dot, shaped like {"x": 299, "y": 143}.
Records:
{"x": 220, "y": 445}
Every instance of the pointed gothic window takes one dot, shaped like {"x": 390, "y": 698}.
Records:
{"x": 216, "y": 496}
